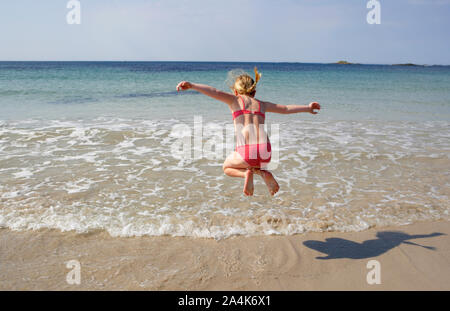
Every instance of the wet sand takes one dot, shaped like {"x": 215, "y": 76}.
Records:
{"x": 412, "y": 257}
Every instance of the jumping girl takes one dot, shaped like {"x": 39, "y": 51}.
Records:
{"x": 253, "y": 150}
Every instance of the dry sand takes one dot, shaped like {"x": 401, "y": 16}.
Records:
{"x": 411, "y": 258}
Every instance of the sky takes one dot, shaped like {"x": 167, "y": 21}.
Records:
{"x": 314, "y": 31}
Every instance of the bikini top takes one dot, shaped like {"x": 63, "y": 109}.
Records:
{"x": 237, "y": 113}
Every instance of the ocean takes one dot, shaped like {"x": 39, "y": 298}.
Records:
{"x": 88, "y": 146}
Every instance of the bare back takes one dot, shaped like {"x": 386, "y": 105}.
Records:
{"x": 249, "y": 118}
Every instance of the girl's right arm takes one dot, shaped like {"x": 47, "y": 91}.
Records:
{"x": 288, "y": 109}
{"x": 208, "y": 91}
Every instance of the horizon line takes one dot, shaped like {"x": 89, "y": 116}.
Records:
{"x": 218, "y": 61}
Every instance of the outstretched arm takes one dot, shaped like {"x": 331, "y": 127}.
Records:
{"x": 287, "y": 109}
{"x": 207, "y": 90}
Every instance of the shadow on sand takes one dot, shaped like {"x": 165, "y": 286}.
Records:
{"x": 341, "y": 248}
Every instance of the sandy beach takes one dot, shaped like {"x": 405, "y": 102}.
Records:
{"x": 412, "y": 257}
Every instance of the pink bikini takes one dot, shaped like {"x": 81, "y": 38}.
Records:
{"x": 253, "y": 154}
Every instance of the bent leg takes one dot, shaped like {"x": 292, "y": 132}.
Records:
{"x": 248, "y": 184}
{"x": 235, "y": 166}
{"x": 270, "y": 181}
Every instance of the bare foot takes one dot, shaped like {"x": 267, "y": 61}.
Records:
{"x": 248, "y": 184}
{"x": 270, "y": 181}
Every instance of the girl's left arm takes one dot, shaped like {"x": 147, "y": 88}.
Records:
{"x": 288, "y": 109}
{"x": 207, "y": 90}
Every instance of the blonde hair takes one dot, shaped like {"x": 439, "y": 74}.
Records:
{"x": 242, "y": 83}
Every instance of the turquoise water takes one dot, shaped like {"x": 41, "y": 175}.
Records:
{"x": 65, "y": 90}
{"x": 90, "y": 146}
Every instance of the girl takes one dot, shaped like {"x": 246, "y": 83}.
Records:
{"x": 253, "y": 148}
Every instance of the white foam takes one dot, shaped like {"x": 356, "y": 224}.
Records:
{"x": 24, "y": 173}
{"x": 10, "y": 195}
{"x": 80, "y": 185}
{"x": 347, "y": 176}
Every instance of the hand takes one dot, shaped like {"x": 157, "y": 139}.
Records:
{"x": 314, "y": 106}
{"x": 184, "y": 85}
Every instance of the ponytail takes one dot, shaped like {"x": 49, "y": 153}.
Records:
{"x": 242, "y": 82}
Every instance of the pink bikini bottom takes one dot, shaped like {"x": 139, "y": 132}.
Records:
{"x": 255, "y": 154}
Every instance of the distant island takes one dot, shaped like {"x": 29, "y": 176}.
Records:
{"x": 407, "y": 64}
{"x": 344, "y": 62}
